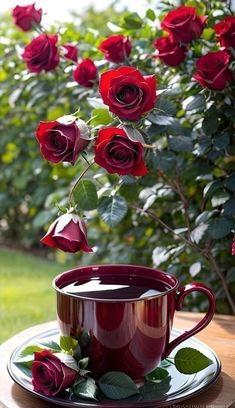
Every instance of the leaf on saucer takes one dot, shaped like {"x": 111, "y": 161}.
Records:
{"x": 67, "y": 343}
{"x": 158, "y": 374}
{"x": 190, "y": 361}
{"x": 30, "y": 350}
{"x": 52, "y": 345}
{"x": 85, "y": 388}
{"x": 117, "y": 385}
{"x": 25, "y": 367}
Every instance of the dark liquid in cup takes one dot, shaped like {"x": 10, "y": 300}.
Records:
{"x": 116, "y": 287}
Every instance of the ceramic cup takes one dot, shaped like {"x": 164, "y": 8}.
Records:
{"x": 129, "y": 335}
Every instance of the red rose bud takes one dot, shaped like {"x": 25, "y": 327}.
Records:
{"x": 184, "y": 24}
{"x": 25, "y": 17}
{"x": 170, "y": 51}
{"x": 213, "y": 70}
{"x": 233, "y": 247}
{"x": 41, "y": 53}
{"x": 68, "y": 233}
{"x": 50, "y": 375}
{"x": 116, "y": 48}
{"x": 128, "y": 93}
{"x": 85, "y": 73}
{"x": 118, "y": 154}
{"x": 225, "y": 31}
{"x": 62, "y": 140}
{"x": 70, "y": 52}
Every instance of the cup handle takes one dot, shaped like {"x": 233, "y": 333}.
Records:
{"x": 182, "y": 292}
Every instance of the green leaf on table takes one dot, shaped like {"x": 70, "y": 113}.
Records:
{"x": 67, "y": 343}
{"x": 117, "y": 385}
{"x": 158, "y": 374}
{"x": 181, "y": 144}
{"x": 85, "y": 195}
{"x": 85, "y": 388}
{"x": 189, "y": 361}
{"x": 112, "y": 209}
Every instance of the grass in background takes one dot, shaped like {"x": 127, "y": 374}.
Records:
{"x": 26, "y": 293}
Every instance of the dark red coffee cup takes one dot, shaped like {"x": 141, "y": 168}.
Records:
{"x": 128, "y": 335}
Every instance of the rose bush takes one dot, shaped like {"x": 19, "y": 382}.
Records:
{"x": 180, "y": 215}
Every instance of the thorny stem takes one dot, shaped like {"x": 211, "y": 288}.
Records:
{"x": 205, "y": 253}
{"x": 78, "y": 180}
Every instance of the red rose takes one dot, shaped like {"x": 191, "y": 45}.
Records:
{"x": 184, "y": 24}
{"x": 116, "y": 48}
{"x": 213, "y": 70}
{"x": 70, "y": 52}
{"x": 85, "y": 73}
{"x": 25, "y": 17}
{"x": 118, "y": 154}
{"x": 225, "y": 31}
{"x": 50, "y": 375}
{"x": 170, "y": 51}
{"x": 128, "y": 94}
{"x": 62, "y": 140}
{"x": 41, "y": 53}
{"x": 68, "y": 233}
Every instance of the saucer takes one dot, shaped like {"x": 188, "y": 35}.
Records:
{"x": 175, "y": 388}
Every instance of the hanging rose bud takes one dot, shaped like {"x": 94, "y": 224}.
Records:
{"x": 25, "y": 17}
{"x": 62, "y": 140}
{"x": 68, "y": 233}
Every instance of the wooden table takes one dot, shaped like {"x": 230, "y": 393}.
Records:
{"x": 219, "y": 335}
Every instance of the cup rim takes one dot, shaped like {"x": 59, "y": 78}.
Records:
{"x": 104, "y": 266}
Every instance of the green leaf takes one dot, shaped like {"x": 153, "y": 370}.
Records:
{"x": 208, "y": 33}
{"x": 165, "y": 107}
{"x": 85, "y": 195}
{"x": 198, "y": 233}
{"x": 86, "y": 388}
{"x": 221, "y": 141}
{"x": 67, "y": 343}
{"x": 189, "y": 361}
{"x": 157, "y": 375}
{"x": 25, "y": 367}
{"x": 84, "y": 338}
{"x": 230, "y": 182}
{"x": 160, "y": 119}
{"x": 210, "y": 123}
{"x": 212, "y": 187}
{"x": 181, "y": 144}
{"x": 116, "y": 385}
{"x": 133, "y": 134}
{"x": 165, "y": 161}
{"x": 100, "y": 117}
{"x": 52, "y": 345}
{"x": 229, "y": 207}
{"x": 83, "y": 363}
{"x": 150, "y": 15}
{"x": 220, "y": 227}
{"x": 112, "y": 209}
{"x": 30, "y": 350}
{"x": 195, "y": 268}
{"x": 132, "y": 21}
{"x": 196, "y": 102}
